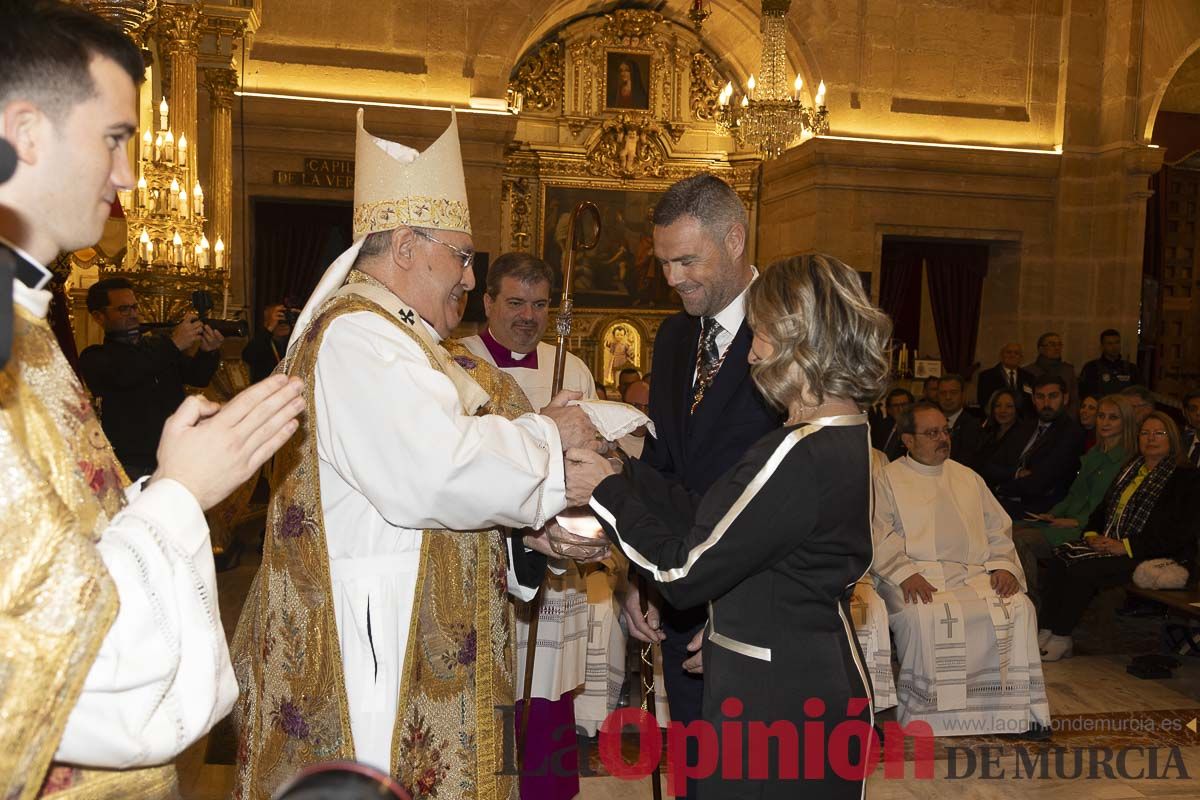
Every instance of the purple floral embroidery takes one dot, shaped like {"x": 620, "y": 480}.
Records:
{"x": 467, "y": 651}
{"x": 292, "y": 525}
{"x": 291, "y": 720}
{"x": 465, "y": 362}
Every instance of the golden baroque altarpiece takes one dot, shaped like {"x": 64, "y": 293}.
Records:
{"x": 614, "y": 109}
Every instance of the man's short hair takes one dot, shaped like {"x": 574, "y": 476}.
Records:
{"x": 907, "y": 421}
{"x": 1042, "y": 339}
{"x": 46, "y": 50}
{"x": 1194, "y": 394}
{"x": 523, "y": 267}
{"x": 1104, "y": 334}
{"x": 97, "y": 295}
{"x": 928, "y": 378}
{"x": 706, "y": 198}
{"x": 897, "y": 393}
{"x": 1046, "y": 379}
{"x": 953, "y": 377}
{"x": 629, "y": 371}
{"x": 1139, "y": 391}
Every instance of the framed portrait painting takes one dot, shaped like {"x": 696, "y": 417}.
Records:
{"x": 627, "y": 81}
{"x": 621, "y": 271}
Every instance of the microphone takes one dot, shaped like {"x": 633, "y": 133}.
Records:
{"x": 8, "y": 160}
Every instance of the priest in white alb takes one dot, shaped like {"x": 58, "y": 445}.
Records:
{"x": 517, "y": 305}
{"x": 378, "y": 628}
{"x": 869, "y": 615}
{"x": 962, "y": 628}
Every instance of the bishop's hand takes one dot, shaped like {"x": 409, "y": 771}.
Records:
{"x": 575, "y": 429}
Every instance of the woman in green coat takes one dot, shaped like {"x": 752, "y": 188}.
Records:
{"x": 1116, "y": 442}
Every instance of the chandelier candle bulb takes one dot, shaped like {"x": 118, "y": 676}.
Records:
{"x": 799, "y": 84}
{"x": 820, "y": 99}
{"x": 147, "y": 147}
{"x": 147, "y": 248}
{"x": 203, "y": 247}
{"x": 745, "y": 101}
{"x": 219, "y": 254}
{"x": 750, "y": 86}
{"x": 177, "y": 249}
{"x": 183, "y": 203}
{"x": 183, "y": 149}
{"x": 198, "y": 204}
{"x": 158, "y": 148}
{"x": 173, "y": 200}
{"x": 142, "y": 196}
{"x": 169, "y": 148}
{"x": 162, "y": 115}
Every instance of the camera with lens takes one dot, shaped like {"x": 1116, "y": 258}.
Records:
{"x": 202, "y": 302}
{"x": 291, "y": 311}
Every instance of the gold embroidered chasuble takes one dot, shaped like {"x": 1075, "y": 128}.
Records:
{"x": 292, "y": 710}
{"x": 62, "y": 485}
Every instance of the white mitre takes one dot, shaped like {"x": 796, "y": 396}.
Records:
{"x": 396, "y": 185}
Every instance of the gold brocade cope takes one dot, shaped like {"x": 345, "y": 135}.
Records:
{"x": 292, "y": 710}
{"x": 62, "y": 487}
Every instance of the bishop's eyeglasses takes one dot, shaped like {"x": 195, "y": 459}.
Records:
{"x": 466, "y": 256}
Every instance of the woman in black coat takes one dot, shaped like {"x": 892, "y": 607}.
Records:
{"x": 1150, "y": 511}
{"x": 776, "y": 545}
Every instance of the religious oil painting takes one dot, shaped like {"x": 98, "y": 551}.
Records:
{"x": 621, "y": 271}
{"x": 622, "y": 348}
{"x": 628, "y": 76}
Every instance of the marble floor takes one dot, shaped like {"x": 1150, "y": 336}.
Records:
{"x": 1091, "y": 686}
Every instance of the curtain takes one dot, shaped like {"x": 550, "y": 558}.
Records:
{"x": 956, "y": 273}
{"x": 900, "y": 289}
{"x": 293, "y": 244}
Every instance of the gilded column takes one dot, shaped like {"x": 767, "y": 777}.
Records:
{"x": 179, "y": 38}
{"x": 221, "y": 84}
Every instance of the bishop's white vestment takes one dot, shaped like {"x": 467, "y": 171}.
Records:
{"x": 399, "y": 455}
{"x": 969, "y": 661}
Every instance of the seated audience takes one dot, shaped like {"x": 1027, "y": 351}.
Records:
{"x": 1007, "y": 374}
{"x": 1044, "y": 452}
{"x": 1050, "y": 362}
{"x": 1109, "y": 373}
{"x": 1038, "y": 534}
{"x": 929, "y": 389}
{"x": 1088, "y": 406}
{"x": 1142, "y": 399}
{"x": 1191, "y": 433}
{"x": 884, "y": 436}
{"x": 966, "y": 432}
{"x": 964, "y": 633}
{"x": 1002, "y": 419}
{"x": 1149, "y": 512}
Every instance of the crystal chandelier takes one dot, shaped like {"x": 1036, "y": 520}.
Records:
{"x": 165, "y": 215}
{"x": 771, "y": 114}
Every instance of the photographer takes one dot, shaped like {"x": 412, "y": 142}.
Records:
{"x": 139, "y": 379}
{"x": 266, "y": 349}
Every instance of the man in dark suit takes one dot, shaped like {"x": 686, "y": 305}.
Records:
{"x": 1191, "y": 433}
{"x": 1007, "y": 374}
{"x": 966, "y": 431}
{"x": 1049, "y": 450}
{"x": 884, "y": 435}
{"x": 705, "y": 408}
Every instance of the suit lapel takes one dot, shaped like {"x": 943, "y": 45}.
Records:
{"x": 734, "y": 370}
{"x": 680, "y": 377}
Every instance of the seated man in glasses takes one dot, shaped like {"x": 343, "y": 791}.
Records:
{"x": 963, "y": 630}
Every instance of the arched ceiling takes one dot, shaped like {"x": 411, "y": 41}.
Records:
{"x": 450, "y": 50}
{"x": 1183, "y": 92}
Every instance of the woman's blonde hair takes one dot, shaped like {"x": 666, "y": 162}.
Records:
{"x": 1176, "y": 455}
{"x": 827, "y": 337}
{"x": 1129, "y": 426}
